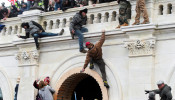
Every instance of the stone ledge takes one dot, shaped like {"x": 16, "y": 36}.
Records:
{"x": 65, "y": 38}
{"x": 138, "y": 27}
{"x": 166, "y": 26}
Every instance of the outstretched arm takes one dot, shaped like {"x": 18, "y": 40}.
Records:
{"x": 86, "y": 62}
{"x": 102, "y": 39}
{"x": 24, "y": 37}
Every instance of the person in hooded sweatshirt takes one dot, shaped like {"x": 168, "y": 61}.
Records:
{"x": 164, "y": 91}
{"x": 45, "y": 91}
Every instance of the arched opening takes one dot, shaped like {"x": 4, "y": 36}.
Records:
{"x": 169, "y": 10}
{"x": 161, "y": 10}
{"x": 1, "y": 96}
{"x": 78, "y": 86}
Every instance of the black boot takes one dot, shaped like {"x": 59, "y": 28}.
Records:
{"x": 62, "y": 31}
{"x": 106, "y": 84}
{"x": 91, "y": 66}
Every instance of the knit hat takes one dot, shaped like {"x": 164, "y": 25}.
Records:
{"x": 84, "y": 10}
{"x": 87, "y": 43}
{"x": 47, "y": 79}
{"x": 160, "y": 82}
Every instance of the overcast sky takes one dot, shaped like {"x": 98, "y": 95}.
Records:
{"x": 7, "y": 3}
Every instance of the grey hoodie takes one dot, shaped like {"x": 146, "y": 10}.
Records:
{"x": 46, "y": 93}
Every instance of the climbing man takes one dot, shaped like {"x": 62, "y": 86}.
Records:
{"x": 36, "y": 31}
{"x": 94, "y": 54}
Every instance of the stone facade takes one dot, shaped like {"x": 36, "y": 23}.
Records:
{"x": 136, "y": 56}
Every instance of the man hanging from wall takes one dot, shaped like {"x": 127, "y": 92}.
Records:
{"x": 36, "y": 31}
{"x": 141, "y": 8}
{"x": 94, "y": 54}
{"x": 164, "y": 91}
{"x": 76, "y": 27}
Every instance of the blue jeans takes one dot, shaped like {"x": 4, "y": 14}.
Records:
{"x": 79, "y": 33}
{"x": 40, "y": 35}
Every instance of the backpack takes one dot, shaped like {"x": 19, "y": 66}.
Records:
{"x": 39, "y": 97}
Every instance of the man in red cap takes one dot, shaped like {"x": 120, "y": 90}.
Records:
{"x": 95, "y": 54}
{"x": 46, "y": 81}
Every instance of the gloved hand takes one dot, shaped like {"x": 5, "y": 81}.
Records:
{"x": 147, "y": 91}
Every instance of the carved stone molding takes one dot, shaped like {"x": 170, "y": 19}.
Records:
{"x": 27, "y": 57}
{"x": 140, "y": 47}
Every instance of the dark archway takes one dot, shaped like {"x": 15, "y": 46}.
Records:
{"x": 81, "y": 84}
{"x": 88, "y": 88}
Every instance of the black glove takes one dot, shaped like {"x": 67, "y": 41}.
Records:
{"x": 147, "y": 91}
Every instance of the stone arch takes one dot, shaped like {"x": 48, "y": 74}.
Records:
{"x": 169, "y": 8}
{"x": 5, "y": 85}
{"x": 72, "y": 66}
{"x": 160, "y": 9}
{"x": 66, "y": 89}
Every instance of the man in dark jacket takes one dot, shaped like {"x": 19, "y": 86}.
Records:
{"x": 164, "y": 91}
{"x": 58, "y": 5}
{"x": 95, "y": 53}
{"x": 76, "y": 27}
{"x": 66, "y": 4}
{"x": 36, "y": 31}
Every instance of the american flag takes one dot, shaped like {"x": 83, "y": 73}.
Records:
{"x": 12, "y": 1}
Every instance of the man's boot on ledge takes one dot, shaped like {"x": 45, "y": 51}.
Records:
{"x": 145, "y": 22}
{"x": 62, "y": 31}
{"x": 83, "y": 51}
{"x": 125, "y": 24}
{"x": 136, "y": 23}
{"x": 91, "y": 66}
{"x": 118, "y": 26}
{"x": 106, "y": 84}
{"x": 37, "y": 47}
{"x": 72, "y": 35}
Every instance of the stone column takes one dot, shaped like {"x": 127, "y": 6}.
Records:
{"x": 141, "y": 47}
{"x": 27, "y": 58}
{"x": 165, "y": 9}
{"x": 173, "y": 8}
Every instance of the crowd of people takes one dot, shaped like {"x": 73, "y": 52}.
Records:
{"x": 46, "y": 5}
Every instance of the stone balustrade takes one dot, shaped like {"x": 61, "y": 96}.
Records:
{"x": 101, "y": 16}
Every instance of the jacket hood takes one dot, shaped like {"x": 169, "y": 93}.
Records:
{"x": 42, "y": 89}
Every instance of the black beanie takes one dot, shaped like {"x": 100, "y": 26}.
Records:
{"x": 84, "y": 10}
